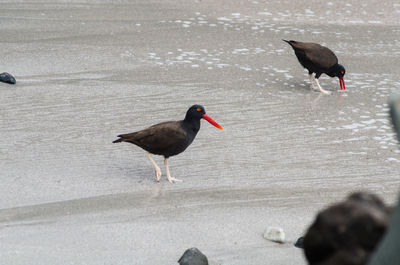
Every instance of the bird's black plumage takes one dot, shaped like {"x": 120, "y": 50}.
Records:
{"x": 167, "y": 138}
{"x": 318, "y": 59}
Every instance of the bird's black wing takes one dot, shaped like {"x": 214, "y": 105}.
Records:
{"x": 319, "y": 55}
{"x": 157, "y": 137}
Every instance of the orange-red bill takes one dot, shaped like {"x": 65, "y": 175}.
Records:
{"x": 342, "y": 86}
{"x": 208, "y": 118}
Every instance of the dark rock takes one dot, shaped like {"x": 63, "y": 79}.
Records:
{"x": 299, "y": 243}
{"x": 7, "y": 78}
{"x": 193, "y": 256}
{"x": 353, "y": 226}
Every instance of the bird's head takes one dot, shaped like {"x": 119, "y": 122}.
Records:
{"x": 198, "y": 112}
{"x": 340, "y": 72}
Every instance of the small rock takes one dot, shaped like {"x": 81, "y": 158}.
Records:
{"x": 7, "y": 78}
{"x": 193, "y": 256}
{"x": 275, "y": 234}
{"x": 299, "y": 242}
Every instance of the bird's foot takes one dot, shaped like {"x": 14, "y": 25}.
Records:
{"x": 326, "y": 92}
{"x": 172, "y": 180}
{"x": 158, "y": 174}
{"x": 320, "y": 88}
{"x": 313, "y": 88}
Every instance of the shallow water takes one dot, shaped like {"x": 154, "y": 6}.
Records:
{"x": 88, "y": 72}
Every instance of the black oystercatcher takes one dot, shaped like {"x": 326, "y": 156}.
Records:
{"x": 319, "y": 60}
{"x": 169, "y": 138}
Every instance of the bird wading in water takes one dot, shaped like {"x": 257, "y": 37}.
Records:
{"x": 319, "y": 60}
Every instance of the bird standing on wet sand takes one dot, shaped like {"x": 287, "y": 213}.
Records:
{"x": 319, "y": 60}
{"x": 169, "y": 138}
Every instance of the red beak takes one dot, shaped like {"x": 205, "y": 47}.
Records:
{"x": 208, "y": 118}
{"x": 342, "y": 86}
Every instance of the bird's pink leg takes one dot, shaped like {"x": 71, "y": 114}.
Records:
{"x": 169, "y": 178}
{"x": 320, "y": 88}
{"x": 312, "y": 84}
{"x": 156, "y": 168}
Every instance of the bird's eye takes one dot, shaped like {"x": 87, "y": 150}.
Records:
{"x": 198, "y": 109}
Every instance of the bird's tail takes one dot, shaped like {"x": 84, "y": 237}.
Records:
{"x": 118, "y": 140}
{"x": 288, "y": 41}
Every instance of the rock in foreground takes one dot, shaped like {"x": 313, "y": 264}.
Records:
{"x": 347, "y": 233}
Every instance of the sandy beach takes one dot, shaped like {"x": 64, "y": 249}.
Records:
{"x": 87, "y": 71}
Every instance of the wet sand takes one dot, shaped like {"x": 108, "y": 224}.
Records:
{"x": 88, "y": 72}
